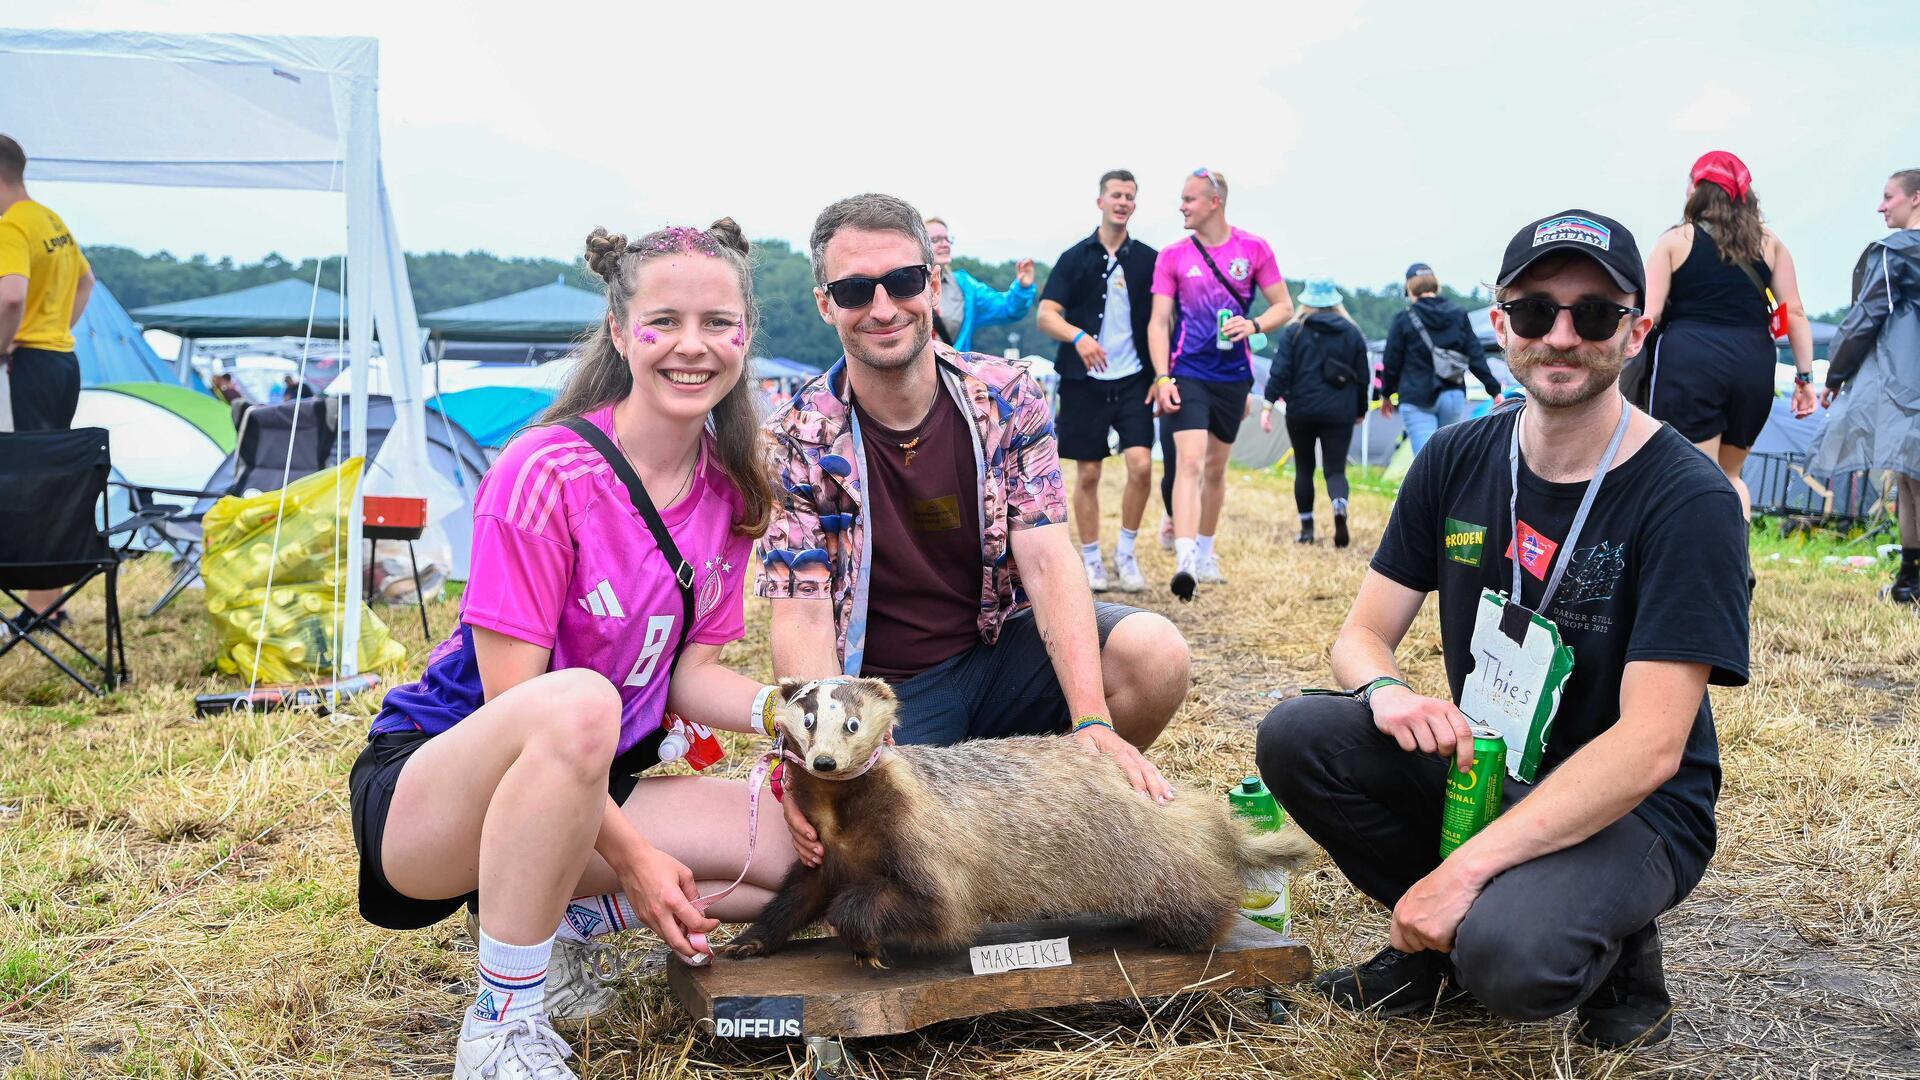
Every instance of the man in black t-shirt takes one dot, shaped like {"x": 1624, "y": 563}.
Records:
{"x": 1552, "y": 906}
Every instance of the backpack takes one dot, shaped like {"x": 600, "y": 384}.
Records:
{"x": 1448, "y": 364}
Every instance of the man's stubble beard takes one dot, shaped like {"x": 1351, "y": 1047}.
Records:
{"x": 1602, "y": 371}
{"x": 922, "y": 334}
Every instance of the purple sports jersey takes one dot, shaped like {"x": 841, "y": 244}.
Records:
{"x": 1181, "y": 273}
{"x": 561, "y": 559}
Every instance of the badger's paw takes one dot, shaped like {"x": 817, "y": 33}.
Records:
{"x": 876, "y": 961}
{"x": 742, "y": 948}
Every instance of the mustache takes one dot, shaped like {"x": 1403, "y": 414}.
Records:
{"x": 870, "y": 325}
{"x": 1543, "y": 354}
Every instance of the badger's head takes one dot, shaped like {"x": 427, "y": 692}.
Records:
{"x": 835, "y": 725}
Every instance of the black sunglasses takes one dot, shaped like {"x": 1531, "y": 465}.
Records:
{"x": 901, "y": 284}
{"x": 1594, "y": 320}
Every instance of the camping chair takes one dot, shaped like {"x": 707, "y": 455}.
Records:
{"x": 260, "y": 462}
{"x": 55, "y": 482}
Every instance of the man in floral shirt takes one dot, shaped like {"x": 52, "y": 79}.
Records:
{"x": 922, "y": 537}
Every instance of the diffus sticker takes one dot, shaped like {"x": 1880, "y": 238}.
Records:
{"x": 758, "y": 1017}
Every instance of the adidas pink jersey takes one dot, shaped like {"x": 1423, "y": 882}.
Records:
{"x": 561, "y": 559}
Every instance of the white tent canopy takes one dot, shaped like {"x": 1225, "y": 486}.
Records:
{"x": 233, "y": 110}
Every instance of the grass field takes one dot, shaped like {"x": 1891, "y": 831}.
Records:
{"x": 1798, "y": 955}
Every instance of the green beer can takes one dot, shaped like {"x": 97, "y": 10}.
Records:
{"x": 1473, "y": 797}
{"x": 1268, "y": 899}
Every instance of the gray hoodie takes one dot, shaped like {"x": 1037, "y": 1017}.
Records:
{"x": 1875, "y": 364}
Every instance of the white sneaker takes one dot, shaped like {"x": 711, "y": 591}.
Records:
{"x": 1097, "y": 575}
{"x": 1129, "y": 570}
{"x": 1183, "y": 581}
{"x": 1166, "y": 533}
{"x": 581, "y": 978}
{"x": 1207, "y": 569}
{"x": 527, "y": 1050}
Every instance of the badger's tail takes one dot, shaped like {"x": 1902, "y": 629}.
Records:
{"x": 1276, "y": 849}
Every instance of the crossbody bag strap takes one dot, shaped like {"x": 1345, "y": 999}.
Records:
{"x": 1420, "y": 328}
{"x": 1246, "y": 306}
{"x": 662, "y": 539}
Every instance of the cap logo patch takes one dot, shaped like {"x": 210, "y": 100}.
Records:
{"x": 1578, "y": 229}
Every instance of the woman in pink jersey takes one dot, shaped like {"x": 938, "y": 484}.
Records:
{"x": 505, "y": 774}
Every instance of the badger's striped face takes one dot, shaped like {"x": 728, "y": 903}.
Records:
{"x": 835, "y": 725}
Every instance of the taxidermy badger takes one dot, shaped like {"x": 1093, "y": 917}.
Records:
{"x": 931, "y": 842}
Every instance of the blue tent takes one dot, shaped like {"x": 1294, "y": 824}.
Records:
{"x": 492, "y": 414}
{"x": 110, "y": 348}
{"x": 555, "y": 312}
{"x": 280, "y": 309}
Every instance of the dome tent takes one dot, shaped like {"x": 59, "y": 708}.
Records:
{"x": 110, "y": 347}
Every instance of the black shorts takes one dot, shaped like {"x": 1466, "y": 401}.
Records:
{"x": 1216, "y": 406}
{"x": 993, "y": 691}
{"x": 1090, "y": 407}
{"x": 46, "y": 389}
{"x": 1712, "y": 380}
{"x": 370, "y": 789}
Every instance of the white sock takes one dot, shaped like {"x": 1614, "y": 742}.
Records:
{"x": 1205, "y": 544}
{"x": 1339, "y": 507}
{"x": 1182, "y": 550}
{"x": 1124, "y": 549}
{"x": 1090, "y": 553}
{"x": 513, "y": 985}
{"x": 589, "y": 917}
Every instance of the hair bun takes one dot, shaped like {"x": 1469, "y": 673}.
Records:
{"x": 604, "y": 250}
{"x": 727, "y": 232}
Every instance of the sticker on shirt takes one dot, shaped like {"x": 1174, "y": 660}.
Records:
{"x": 1536, "y": 551}
{"x": 712, "y": 587}
{"x": 1238, "y": 269}
{"x": 1465, "y": 542}
{"x": 937, "y": 515}
{"x": 1593, "y": 574}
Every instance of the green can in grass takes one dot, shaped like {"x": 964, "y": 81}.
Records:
{"x": 1473, "y": 797}
{"x": 1268, "y": 898}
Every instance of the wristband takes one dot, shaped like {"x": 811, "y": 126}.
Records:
{"x": 1161, "y": 379}
{"x": 1366, "y": 692}
{"x": 1077, "y": 336}
{"x": 1086, "y": 722}
{"x": 1803, "y": 378}
{"x": 764, "y": 704}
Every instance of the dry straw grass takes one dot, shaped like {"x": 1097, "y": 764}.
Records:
{"x": 1798, "y": 955}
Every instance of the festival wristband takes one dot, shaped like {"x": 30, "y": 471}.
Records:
{"x": 1086, "y": 722}
{"x": 1366, "y": 692}
{"x": 1161, "y": 379}
{"x": 1803, "y": 378}
{"x": 764, "y": 704}
{"x": 1077, "y": 336}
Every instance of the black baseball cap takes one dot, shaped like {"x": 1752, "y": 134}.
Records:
{"x": 1417, "y": 269}
{"x": 1596, "y": 236}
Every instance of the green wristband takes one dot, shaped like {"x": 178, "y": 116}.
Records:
{"x": 1366, "y": 692}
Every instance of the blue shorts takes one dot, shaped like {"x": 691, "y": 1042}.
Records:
{"x": 993, "y": 691}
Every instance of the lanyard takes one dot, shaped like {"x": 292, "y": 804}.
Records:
{"x": 1565, "y": 552}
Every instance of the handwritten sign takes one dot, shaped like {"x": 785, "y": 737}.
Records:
{"x": 1015, "y": 955}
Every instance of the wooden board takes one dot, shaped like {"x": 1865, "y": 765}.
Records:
{"x": 1111, "y": 962}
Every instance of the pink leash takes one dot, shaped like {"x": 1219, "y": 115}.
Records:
{"x": 754, "y": 782}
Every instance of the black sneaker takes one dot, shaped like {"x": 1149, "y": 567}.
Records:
{"x": 1184, "y": 578}
{"x": 1341, "y": 538}
{"x": 59, "y": 620}
{"x": 1306, "y": 532}
{"x": 1393, "y": 983}
{"x": 1906, "y": 582}
{"x": 1631, "y": 1008}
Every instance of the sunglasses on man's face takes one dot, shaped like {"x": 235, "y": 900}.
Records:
{"x": 1594, "y": 320}
{"x": 901, "y": 284}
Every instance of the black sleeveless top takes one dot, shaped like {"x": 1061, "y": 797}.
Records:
{"x": 1707, "y": 290}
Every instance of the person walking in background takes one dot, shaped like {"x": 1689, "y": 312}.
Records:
{"x": 1320, "y": 372}
{"x": 1431, "y": 347}
{"x": 1096, "y": 304}
{"x": 1713, "y": 283}
{"x": 1873, "y": 374}
{"x": 966, "y": 302}
{"x": 45, "y": 282}
{"x": 1203, "y": 369}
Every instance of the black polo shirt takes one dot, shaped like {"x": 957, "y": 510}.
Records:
{"x": 1079, "y": 285}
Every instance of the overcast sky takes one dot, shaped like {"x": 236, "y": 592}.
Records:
{"x": 1358, "y": 137}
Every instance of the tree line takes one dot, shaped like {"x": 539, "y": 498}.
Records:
{"x": 783, "y": 288}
